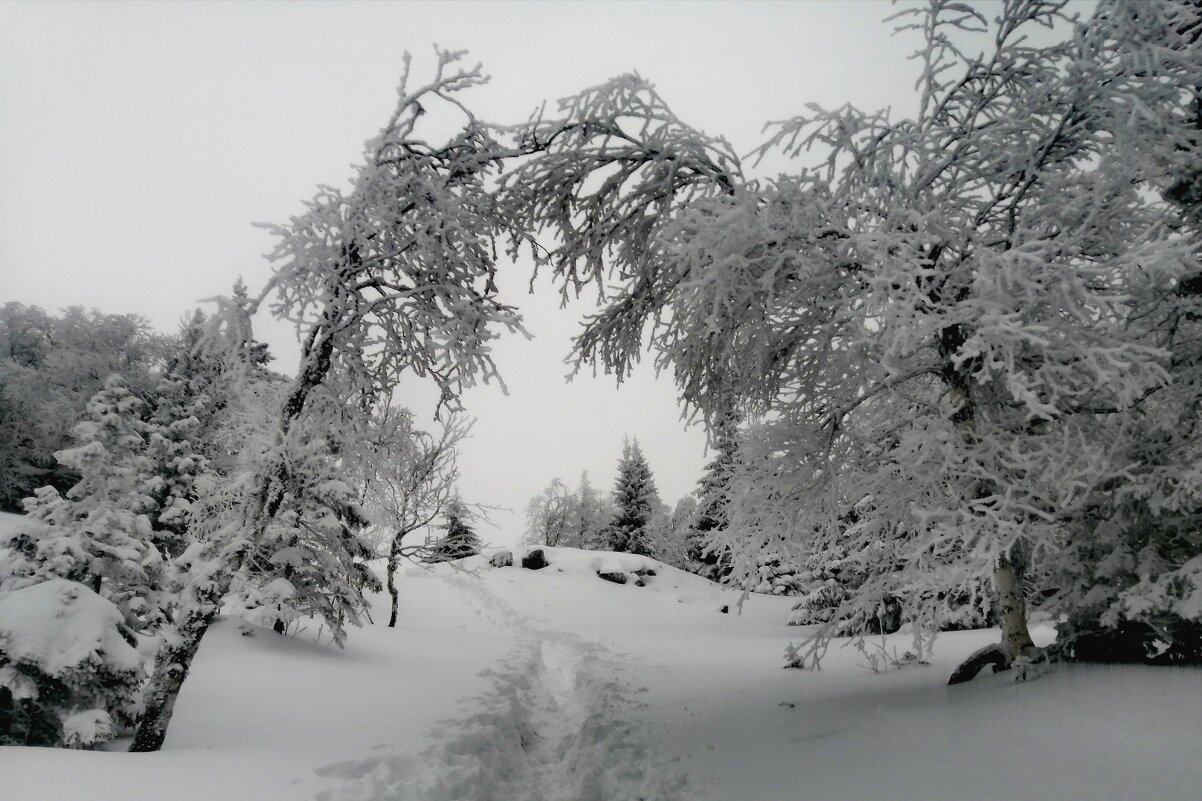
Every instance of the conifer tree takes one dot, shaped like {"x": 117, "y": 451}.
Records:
{"x": 707, "y": 558}
{"x": 100, "y": 533}
{"x": 460, "y": 540}
{"x": 69, "y": 667}
{"x": 636, "y": 499}
{"x": 593, "y": 512}
{"x": 175, "y": 445}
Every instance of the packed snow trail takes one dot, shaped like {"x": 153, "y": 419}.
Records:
{"x": 552, "y": 727}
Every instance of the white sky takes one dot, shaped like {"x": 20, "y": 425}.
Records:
{"x": 138, "y": 142}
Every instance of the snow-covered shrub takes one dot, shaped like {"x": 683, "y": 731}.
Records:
{"x": 87, "y": 728}
{"x": 777, "y": 577}
{"x": 69, "y": 671}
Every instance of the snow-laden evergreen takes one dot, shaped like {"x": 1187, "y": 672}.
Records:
{"x": 460, "y": 539}
{"x": 70, "y": 673}
{"x": 635, "y": 503}
{"x": 100, "y": 533}
{"x": 707, "y": 558}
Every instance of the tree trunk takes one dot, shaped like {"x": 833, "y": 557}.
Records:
{"x": 394, "y": 555}
{"x": 171, "y": 667}
{"x": 1012, "y": 608}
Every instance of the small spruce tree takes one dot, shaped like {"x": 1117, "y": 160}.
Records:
{"x": 461, "y": 539}
{"x": 636, "y": 499}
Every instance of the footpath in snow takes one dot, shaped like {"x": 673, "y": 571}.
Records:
{"x": 553, "y": 725}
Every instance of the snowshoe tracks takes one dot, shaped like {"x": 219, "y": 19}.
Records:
{"x": 551, "y": 727}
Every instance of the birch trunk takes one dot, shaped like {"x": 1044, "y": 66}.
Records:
{"x": 1012, "y": 609}
{"x": 394, "y": 556}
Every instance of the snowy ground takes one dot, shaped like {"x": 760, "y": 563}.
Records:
{"x": 518, "y": 685}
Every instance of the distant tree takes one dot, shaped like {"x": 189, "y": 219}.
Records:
{"x": 49, "y": 369}
{"x": 552, "y": 516}
{"x": 669, "y": 531}
{"x": 564, "y": 517}
{"x": 636, "y": 501}
{"x": 408, "y": 477}
{"x": 460, "y": 539}
{"x": 594, "y": 510}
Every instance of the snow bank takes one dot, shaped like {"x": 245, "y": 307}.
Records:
{"x": 59, "y": 625}
{"x": 638, "y": 571}
{"x": 9, "y": 523}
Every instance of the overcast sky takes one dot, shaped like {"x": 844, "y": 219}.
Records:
{"x": 138, "y": 142}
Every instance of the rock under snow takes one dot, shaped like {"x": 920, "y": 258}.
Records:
{"x": 535, "y": 560}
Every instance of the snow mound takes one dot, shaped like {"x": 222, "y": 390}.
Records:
{"x": 9, "y": 523}
{"x": 629, "y": 568}
{"x": 87, "y": 728}
{"x": 59, "y": 625}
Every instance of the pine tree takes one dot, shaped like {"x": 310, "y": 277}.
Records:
{"x": 174, "y": 443}
{"x": 636, "y": 499}
{"x": 460, "y": 540}
{"x": 591, "y": 517}
{"x": 100, "y": 534}
{"x": 706, "y": 558}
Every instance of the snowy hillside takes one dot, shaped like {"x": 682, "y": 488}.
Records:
{"x": 554, "y": 684}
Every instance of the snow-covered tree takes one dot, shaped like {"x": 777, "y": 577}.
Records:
{"x": 935, "y": 318}
{"x": 408, "y": 477}
{"x": 50, "y": 367}
{"x": 636, "y": 501}
{"x": 100, "y": 533}
{"x": 397, "y": 275}
{"x": 69, "y": 669}
{"x": 594, "y": 510}
{"x": 579, "y": 518}
{"x": 670, "y": 528}
{"x": 175, "y": 444}
{"x": 713, "y": 494}
{"x": 551, "y": 517}
{"x": 460, "y": 539}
